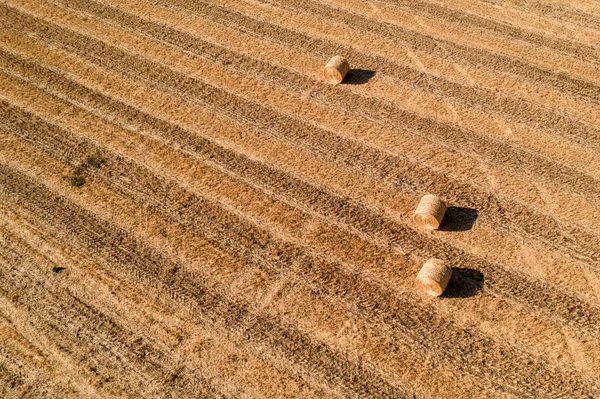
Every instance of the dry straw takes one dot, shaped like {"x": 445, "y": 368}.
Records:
{"x": 433, "y": 277}
{"x": 336, "y": 69}
{"x": 430, "y": 212}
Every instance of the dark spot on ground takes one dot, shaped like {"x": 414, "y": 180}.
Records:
{"x": 358, "y": 76}
{"x": 459, "y": 219}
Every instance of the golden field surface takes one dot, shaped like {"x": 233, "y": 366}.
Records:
{"x": 188, "y": 210}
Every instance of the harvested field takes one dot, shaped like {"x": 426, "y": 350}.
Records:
{"x": 188, "y": 209}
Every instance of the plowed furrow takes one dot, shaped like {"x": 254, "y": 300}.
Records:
{"x": 364, "y": 159}
{"x": 445, "y": 49}
{"x": 354, "y": 215}
{"x": 520, "y": 111}
{"x": 131, "y": 259}
{"x": 373, "y": 302}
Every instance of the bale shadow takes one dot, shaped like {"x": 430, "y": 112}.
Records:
{"x": 464, "y": 283}
{"x": 459, "y": 219}
{"x": 358, "y": 76}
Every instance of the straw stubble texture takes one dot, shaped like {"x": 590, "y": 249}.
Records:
{"x": 231, "y": 232}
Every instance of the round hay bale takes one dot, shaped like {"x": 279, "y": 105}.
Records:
{"x": 433, "y": 277}
{"x": 336, "y": 69}
{"x": 430, "y": 212}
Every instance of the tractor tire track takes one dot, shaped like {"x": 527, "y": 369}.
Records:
{"x": 572, "y": 48}
{"x": 366, "y": 159}
{"x": 260, "y": 246}
{"x": 320, "y": 201}
{"x": 126, "y": 256}
{"x": 368, "y": 107}
{"x": 516, "y": 109}
{"x": 328, "y": 277}
{"x": 458, "y": 53}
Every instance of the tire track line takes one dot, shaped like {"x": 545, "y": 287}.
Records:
{"x": 85, "y": 286}
{"x": 18, "y": 380}
{"x": 45, "y": 354}
{"x": 474, "y": 56}
{"x": 536, "y": 168}
{"x": 329, "y": 277}
{"x": 131, "y": 259}
{"x": 435, "y": 63}
{"x": 544, "y": 23}
{"x": 572, "y": 384}
{"x": 371, "y": 41}
{"x": 332, "y": 207}
{"x": 575, "y": 49}
{"x": 84, "y": 330}
{"x": 559, "y": 12}
{"x": 487, "y": 100}
{"x": 100, "y": 104}
{"x": 356, "y": 105}
{"x": 20, "y": 360}
{"x": 303, "y": 62}
{"x": 261, "y": 70}
{"x": 415, "y": 194}
{"x": 382, "y": 245}
{"x": 13, "y": 279}
{"x": 251, "y": 351}
{"x": 400, "y": 356}
{"x": 190, "y": 90}
{"x": 463, "y": 74}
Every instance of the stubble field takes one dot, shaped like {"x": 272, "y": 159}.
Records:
{"x": 187, "y": 209}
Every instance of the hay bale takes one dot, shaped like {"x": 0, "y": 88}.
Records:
{"x": 336, "y": 69}
{"x": 430, "y": 212}
{"x": 433, "y": 277}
